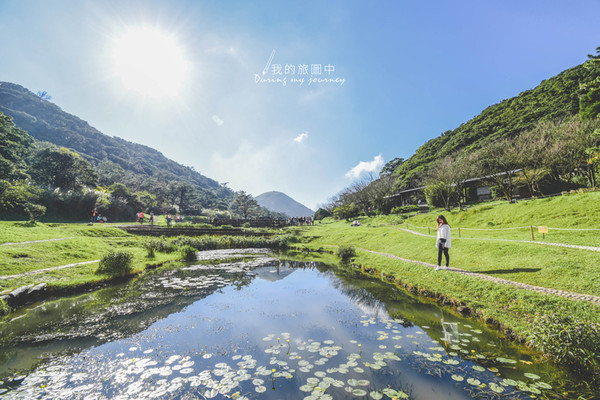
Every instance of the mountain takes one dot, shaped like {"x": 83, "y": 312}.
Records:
{"x": 141, "y": 165}
{"x": 281, "y": 202}
{"x": 552, "y": 99}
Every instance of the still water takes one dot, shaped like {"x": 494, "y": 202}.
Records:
{"x": 245, "y": 324}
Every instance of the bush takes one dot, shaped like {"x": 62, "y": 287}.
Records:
{"x": 226, "y": 226}
{"x": 567, "y": 340}
{"x": 345, "y": 253}
{"x": 116, "y": 263}
{"x": 322, "y": 213}
{"x": 35, "y": 211}
{"x": 405, "y": 209}
{"x": 150, "y": 248}
{"x": 188, "y": 253}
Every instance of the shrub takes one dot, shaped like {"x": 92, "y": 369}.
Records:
{"x": 116, "y": 263}
{"x": 405, "y": 209}
{"x": 150, "y": 247}
{"x": 345, "y": 253}
{"x": 188, "y": 253}
{"x": 35, "y": 211}
{"x": 567, "y": 340}
{"x": 226, "y": 226}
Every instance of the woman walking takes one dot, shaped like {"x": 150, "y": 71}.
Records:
{"x": 443, "y": 241}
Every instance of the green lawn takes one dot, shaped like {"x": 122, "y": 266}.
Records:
{"x": 82, "y": 242}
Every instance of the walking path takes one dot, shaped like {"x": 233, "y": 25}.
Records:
{"x": 557, "y": 292}
{"x": 33, "y": 241}
{"x": 571, "y": 246}
{"x": 40, "y": 271}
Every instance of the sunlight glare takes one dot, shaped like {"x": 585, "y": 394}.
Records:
{"x": 150, "y": 62}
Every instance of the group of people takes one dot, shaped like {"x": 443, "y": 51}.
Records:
{"x": 140, "y": 218}
{"x": 177, "y": 219}
{"x": 294, "y": 221}
{"x": 97, "y": 217}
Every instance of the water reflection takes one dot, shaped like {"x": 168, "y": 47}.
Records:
{"x": 259, "y": 327}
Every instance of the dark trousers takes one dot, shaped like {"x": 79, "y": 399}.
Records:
{"x": 442, "y": 249}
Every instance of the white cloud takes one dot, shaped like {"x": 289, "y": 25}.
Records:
{"x": 217, "y": 120}
{"x": 301, "y": 137}
{"x": 366, "y": 167}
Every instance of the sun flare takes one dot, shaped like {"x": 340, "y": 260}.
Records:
{"x": 150, "y": 62}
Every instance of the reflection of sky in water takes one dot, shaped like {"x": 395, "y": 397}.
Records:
{"x": 218, "y": 343}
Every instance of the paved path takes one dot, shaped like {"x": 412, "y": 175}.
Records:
{"x": 40, "y": 271}
{"x": 571, "y": 246}
{"x": 33, "y": 241}
{"x": 557, "y": 292}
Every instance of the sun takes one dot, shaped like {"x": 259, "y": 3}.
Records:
{"x": 150, "y": 62}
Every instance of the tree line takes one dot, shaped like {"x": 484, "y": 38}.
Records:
{"x": 38, "y": 178}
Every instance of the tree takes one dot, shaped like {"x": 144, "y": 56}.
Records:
{"x": 391, "y": 166}
{"x": 62, "y": 168}
{"x": 44, "y": 95}
{"x": 499, "y": 161}
{"x": 15, "y": 145}
{"x": 35, "y": 211}
{"x": 532, "y": 150}
{"x": 243, "y": 204}
{"x": 322, "y": 213}
{"x": 440, "y": 183}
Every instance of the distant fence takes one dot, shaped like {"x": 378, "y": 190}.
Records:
{"x": 253, "y": 223}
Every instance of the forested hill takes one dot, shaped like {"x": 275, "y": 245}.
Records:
{"x": 45, "y": 121}
{"x": 552, "y": 99}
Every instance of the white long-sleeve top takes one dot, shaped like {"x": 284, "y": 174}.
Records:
{"x": 443, "y": 232}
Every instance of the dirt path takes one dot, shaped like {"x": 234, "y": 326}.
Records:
{"x": 40, "y": 271}
{"x": 557, "y": 292}
{"x": 33, "y": 241}
{"x": 571, "y": 246}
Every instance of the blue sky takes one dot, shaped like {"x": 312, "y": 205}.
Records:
{"x": 411, "y": 71}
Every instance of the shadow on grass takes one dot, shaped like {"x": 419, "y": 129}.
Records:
{"x": 510, "y": 271}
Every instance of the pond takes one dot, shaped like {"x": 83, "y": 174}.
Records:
{"x": 246, "y": 324}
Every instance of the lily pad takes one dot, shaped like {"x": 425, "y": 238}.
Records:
{"x": 458, "y": 378}
{"x": 376, "y": 395}
{"x": 531, "y": 376}
{"x": 474, "y": 382}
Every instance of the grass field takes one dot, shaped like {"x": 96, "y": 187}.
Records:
{"x": 82, "y": 242}
{"x": 487, "y": 247}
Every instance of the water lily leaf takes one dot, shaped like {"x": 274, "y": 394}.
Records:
{"x": 543, "y": 385}
{"x": 376, "y": 395}
{"x": 363, "y": 382}
{"x": 493, "y": 369}
{"x": 458, "y": 378}
{"x": 306, "y": 388}
{"x": 474, "y": 382}
{"x": 320, "y": 374}
{"x": 359, "y": 392}
{"x": 505, "y": 360}
{"x": 312, "y": 381}
{"x": 478, "y": 368}
{"x": 531, "y": 376}
{"x": 352, "y": 382}
{"x": 451, "y": 362}
{"x": 359, "y": 370}
{"x": 496, "y": 388}
{"x": 509, "y": 382}
{"x": 260, "y": 389}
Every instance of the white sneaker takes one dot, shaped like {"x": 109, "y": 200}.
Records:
{"x": 438, "y": 268}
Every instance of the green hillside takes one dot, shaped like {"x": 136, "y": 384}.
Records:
{"x": 551, "y": 100}
{"x": 116, "y": 160}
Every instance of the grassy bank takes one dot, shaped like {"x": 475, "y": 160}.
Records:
{"x": 25, "y": 249}
{"x": 490, "y": 252}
